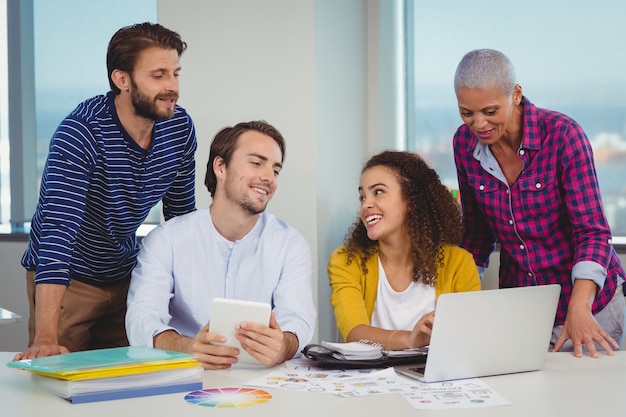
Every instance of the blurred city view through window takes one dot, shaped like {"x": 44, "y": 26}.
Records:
{"x": 70, "y": 39}
{"x": 568, "y": 57}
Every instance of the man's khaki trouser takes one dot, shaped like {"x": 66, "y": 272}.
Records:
{"x": 91, "y": 317}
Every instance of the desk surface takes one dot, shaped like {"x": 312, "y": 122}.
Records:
{"x": 566, "y": 386}
{"x": 7, "y": 316}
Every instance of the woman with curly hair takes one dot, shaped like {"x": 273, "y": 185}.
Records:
{"x": 399, "y": 255}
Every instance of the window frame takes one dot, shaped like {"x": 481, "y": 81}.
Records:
{"x": 21, "y": 101}
{"x": 20, "y": 191}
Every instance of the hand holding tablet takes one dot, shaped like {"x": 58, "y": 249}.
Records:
{"x": 226, "y": 314}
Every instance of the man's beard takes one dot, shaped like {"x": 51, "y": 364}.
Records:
{"x": 147, "y": 108}
{"x": 251, "y": 208}
{"x": 244, "y": 202}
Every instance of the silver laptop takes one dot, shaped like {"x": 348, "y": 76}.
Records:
{"x": 489, "y": 332}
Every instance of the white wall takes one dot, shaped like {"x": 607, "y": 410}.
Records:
{"x": 311, "y": 68}
{"x": 300, "y": 65}
{"x": 341, "y": 113}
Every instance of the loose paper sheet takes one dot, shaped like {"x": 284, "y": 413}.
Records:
{"x": 299, "y": 375}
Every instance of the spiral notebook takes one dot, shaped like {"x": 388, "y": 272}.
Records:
{"x": 489, "y": 332}
{"x": 360, "y": 355}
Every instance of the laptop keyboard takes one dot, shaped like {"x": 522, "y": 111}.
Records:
{"x": 418, "y": 369}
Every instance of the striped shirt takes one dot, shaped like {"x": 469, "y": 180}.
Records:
{"x": 98, "y": 186}
{"x": 550, "y": 223}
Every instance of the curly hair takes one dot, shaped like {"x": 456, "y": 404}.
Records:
{"x": 433, "y": 218}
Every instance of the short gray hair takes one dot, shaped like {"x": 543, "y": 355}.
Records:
{"x": 485, "y": 68}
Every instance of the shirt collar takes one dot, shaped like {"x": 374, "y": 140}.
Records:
{"x": 531, "y": 129}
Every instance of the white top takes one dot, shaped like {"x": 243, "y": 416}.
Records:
{"x": 401, "y": 310}
{"x": 184, "y": 263}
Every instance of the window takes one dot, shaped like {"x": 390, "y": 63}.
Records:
{"x": 56, "y": 58}
{"x": 5, "y": 197}
{"x": 568, "y": 56}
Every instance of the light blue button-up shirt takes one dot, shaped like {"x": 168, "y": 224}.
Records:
{"x": 184, "y": 263}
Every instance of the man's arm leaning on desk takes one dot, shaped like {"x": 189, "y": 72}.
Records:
{"x": 47, "y": 308}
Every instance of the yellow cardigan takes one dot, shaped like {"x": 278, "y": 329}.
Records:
{"x": 354, "y": 292}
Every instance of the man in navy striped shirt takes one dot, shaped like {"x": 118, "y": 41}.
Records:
{"x": 110, "y": 161}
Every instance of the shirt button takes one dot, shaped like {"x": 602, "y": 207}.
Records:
{"x": 538, "y": 185}
{"x": 507, "y": 190}
{"x": 481, "y": 187}
{"x": 521, "y": 247}
{"x": 530, "y": 274}
{"x": 510, "y": 222}
{"x": 521, "y": 152}
{"x": 610, "y": 241}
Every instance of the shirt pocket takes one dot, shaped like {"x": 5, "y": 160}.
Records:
{"x": 538, "y": 196}
{"x": 487, "y": 195}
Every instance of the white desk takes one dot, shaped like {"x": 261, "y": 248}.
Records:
{"x": 566, "y": 387}
{"x": 7, "y": 316}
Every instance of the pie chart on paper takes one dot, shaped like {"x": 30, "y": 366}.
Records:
{"x": 228, "y": 397}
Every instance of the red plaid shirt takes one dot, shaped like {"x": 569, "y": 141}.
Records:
{"x": 550, "y": 220}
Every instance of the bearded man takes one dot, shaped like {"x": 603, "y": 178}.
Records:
{"x": 111, "y": 160}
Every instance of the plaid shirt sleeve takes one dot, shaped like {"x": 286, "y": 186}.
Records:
{"x": 591, "y": 234}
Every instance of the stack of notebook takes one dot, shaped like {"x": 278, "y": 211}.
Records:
{"x": 107, "y": 374}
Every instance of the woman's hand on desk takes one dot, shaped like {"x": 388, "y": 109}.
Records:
{"x": 580, "y": 326}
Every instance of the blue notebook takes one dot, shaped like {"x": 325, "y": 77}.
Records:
{"x": 132, "y": 393}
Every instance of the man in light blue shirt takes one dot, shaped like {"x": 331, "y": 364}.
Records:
{"x": 234, "y": 249}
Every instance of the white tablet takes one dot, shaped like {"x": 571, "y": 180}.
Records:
{"x": 228, "y": 313}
